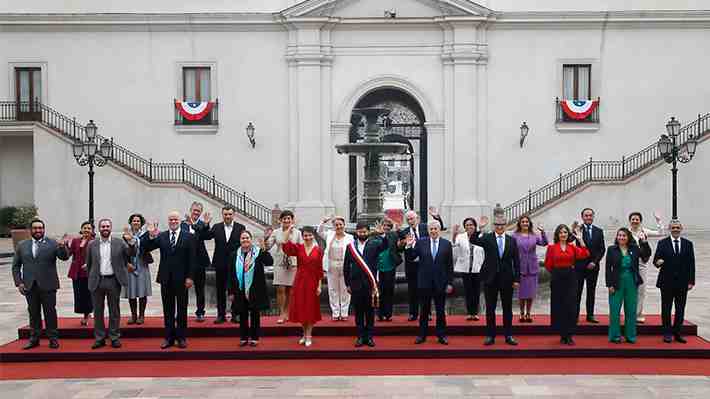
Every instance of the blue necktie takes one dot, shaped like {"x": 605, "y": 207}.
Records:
{"x": 435, "y": 249}
{"x": 500, "y": 246}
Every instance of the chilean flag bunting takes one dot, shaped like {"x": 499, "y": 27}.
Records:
{"x": 194, "y": 111}
{"x": 579, "y": 109}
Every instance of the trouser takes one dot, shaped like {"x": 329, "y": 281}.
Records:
{"x": 625, "y": 294}
{"x": 472, "y": 292}
{"x": 425, "y": 298}
{"x": 221, "y": 278}
{"x": 174, "y": 298}
{"x": 668, "y": 297}
{"x": 410, "y": 271}
{"x": 387, "y": 282}
{"x": 563, "y": 308}
{"x": 491, "y": 292}
{"x": 199, "y": 284}
{"x": 249, "y": 324}
{"x": 337, "y": 292}
{"x": 364, "y": 315}
{"x": 109, "y": 291}
{"x": 641, "y": 298}
{"x": 590, "y": 277}
{"x": 41, "y": 302}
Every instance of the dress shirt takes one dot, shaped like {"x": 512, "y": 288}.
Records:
{"x": 500, "y": 237}
{"x": 678, "y": 242}
{"x": 35, "y": 246}
{"x": 434, "y": 247}
{"x": 361, "y": 246}
{"x": 105, "y": 250}
{"x": 414, "y": 232}
{"x": 177, "y": 235}
{"x": 228, "y": 230}
{"x": 589, "y": 229}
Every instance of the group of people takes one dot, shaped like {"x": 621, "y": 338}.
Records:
{"x": 360, "y": 271}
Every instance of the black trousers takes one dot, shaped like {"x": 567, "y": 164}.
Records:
{"x": 83, "y": 303}
{"x": 425, "y": 298}
{"x": 199, "y": 285}
{"x": 41, "y": 302}
{"x": 491, "y": 292}
{"x": 472, "y": 292}
{"x": 249, "y": 324}
{"x": 387, "y": 282}
{"x": 221, "y": 277}
{"x": 563, "y": 308}
{"x": 590, "y": 277}
{"x": 410, "y": 271}
{"x": 364, "y": 314}
{"x": 669, "y": 296}
{"x": 174, "y": 298}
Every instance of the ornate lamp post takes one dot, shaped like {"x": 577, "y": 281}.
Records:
{"x": 90, "y": 152}
{"x": 673, "y": 151}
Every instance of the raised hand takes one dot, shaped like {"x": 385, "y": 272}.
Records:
{"x": 642, "y": 236}
{"x": 457, "y": 229}
{"x": 409, "y": 240}
{"x": 267, "y": 233}
{"x": 152, "y": 228}
{"x": 657, "y": 217}
{"x": 261, "y": 243}
{"x": 540, "y": 228}
{"x": 327, "y": 219}
{"x": 63, "y": 241}
{"x": 378, "y": 227}
{"x": 207, "y": 217}
{"x": 577, "y": 229}
{"x": 483, "y": 222}
{"x": 127, "y": 236}
{"x": 433, "y": 212}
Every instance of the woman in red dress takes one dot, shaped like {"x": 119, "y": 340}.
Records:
{"x": 305, "y": 295}
{"x": 78, "y": 272}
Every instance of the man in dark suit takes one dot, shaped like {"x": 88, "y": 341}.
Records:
{"x": 418, "y": 230}
{"x": 434, "y": 278}
{"x": 675, "y": 257}
{"x": 107, "y": 260}
{"x": 192, "y": 224}
{"x": 500, "y": 274}
{"x": 226, "y": 240}
{"x": 588, "y": 269}
{"x": 359, "y": 271}
{"x": 175, "y": 273}
{"x": 34, "y": 269}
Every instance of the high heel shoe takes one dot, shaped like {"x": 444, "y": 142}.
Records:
{"x": 302, "y": 341}
{"x": 308, "y": 342}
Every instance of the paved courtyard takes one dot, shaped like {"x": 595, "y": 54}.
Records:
{"x": 13, "y": 314}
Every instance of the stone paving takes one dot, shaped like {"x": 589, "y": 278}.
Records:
{"x": 13, "y": 314}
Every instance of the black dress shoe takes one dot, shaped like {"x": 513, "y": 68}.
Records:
{"x": 443, "y": 340}
{"x": 592, "y": 320}
{"x": 220, "y": 320}
{"x": 570, "y": 341}
{"x": 616, "y": 341}
{"x": 511, "y": 341}
{"x": 116, "y": 344}
{"x": 668, "y": 339}
{"x": 98, "y": 344}
{"x": 53, "y": 343}
{"x": 370, "y": 343}
{"x": 31, "y": 344}
{"x": 166, "y": 344}
{"x": 680, "y": 339}
{"x": 234, "y": 320}
{"x": 243, "y": 343}
{"x": 182, "y": 344}
{"x": 412, "y": 318}
{"x": 200, "y": 318}
{"x": 420, "y": 340}
{"x": 489, "y": 341}
{"x": 359, "y": 343}
{"x": 380, "y": 318}
{"x": 563, "y": 340}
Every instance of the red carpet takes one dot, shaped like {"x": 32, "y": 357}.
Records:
{"x": 339, "y": 367}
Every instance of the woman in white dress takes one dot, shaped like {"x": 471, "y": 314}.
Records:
{"x": 336, "y": 240}
{"x": 284, "y": 266}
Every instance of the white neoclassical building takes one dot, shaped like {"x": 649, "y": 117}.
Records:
{"x": 595, "y": 83}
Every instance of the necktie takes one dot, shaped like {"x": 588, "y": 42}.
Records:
{"x": 676, "y": 246}
{"x": 172, "y": 239}
{"x": 589, "y": 231}
{"x": 35, "y": 247}
{"x": 416, "y": 234}
{"x": 500, "y": 246}
{"x": 435, "y": 249}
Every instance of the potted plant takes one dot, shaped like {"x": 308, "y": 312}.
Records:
{"x": 20, "y": 223}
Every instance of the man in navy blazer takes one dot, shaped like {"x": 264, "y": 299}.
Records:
{"x": 675, "y": 257}
{"x": 194, "y": 225}
{"x": 175, "y": 275}
{"x": 588, "y": 269}
{"x": 434, "y": 278}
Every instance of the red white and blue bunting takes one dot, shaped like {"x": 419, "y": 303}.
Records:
{"x": 194, "y": 111}
{"x": 579, "y": 109}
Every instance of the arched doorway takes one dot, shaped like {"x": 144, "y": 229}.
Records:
{"x": 406, "y": 172}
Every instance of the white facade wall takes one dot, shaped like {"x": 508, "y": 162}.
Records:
{"x": 16, "y": 169}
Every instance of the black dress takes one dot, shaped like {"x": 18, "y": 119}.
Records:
{"x": 258, "y": 297}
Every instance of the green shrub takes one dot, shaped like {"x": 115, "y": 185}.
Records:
{"x": 21, "y": 216}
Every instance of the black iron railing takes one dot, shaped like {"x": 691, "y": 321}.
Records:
{"x": 211, "y": 119}
{"x": 153, "y": 172}
{"x": 600, "y": 171}
{"x": 562, "y": 117}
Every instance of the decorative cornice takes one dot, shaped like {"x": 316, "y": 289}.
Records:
{"x": 628, "y": 19}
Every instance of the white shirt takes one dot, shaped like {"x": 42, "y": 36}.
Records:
{"x": 177, "y": 235}
{"x": 680, "y": 243}
{"x": 105, "y": 251}
{"x": 361, "y": 246}
{"x": 228, "y": 230}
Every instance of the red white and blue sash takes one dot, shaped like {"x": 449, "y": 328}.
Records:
{"x": 361, "y": 264}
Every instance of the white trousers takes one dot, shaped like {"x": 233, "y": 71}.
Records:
{"x": 641, "y": 296}
{"x": 337, "y": 292}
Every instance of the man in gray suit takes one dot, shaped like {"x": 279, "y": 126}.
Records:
{"x": 34, "y": 270}
{"x": 108, "y": 262}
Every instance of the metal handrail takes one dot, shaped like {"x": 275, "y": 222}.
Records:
{"x": 153, "y": 172}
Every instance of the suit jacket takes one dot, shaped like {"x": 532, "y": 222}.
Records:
{"x": 613, "y": 263}
{"x": 203, "y": 259}
{"x": 176, "y": 264}
{"x": 596, "y": 248}
{"x": 422, "y": 229}
{"x": 121, "y": 254}
{"x": 222, "y": 247}
{"x": 677, "y": 271}
{"x": 355, "y": 278}
{"x": 508, "y": 264}
{"x": 433, "y": 273}
{"x": 258, "y": 295}
{"x": 28, "y": 270}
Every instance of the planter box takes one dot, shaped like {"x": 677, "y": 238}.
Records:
{"x": 19, "y": 235}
